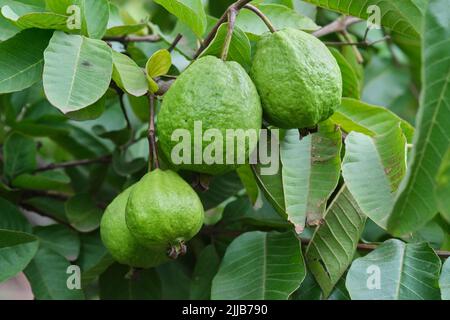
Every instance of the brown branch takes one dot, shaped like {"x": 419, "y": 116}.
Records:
{"x": 152, "y": 147}
{"x": 174, "y": 43}
{"x": 232, "y": 13}
{"x": 262, "y": 16}
{"x": 238, "y": 5}
{"x": 128, "y": 39}
{"x": 120, "y": 93}
{"x": 75, "y": 163}
{"x": 338, "y": 25}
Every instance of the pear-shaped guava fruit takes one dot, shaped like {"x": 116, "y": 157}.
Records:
{"x": 298, "y": 79}
{"x": 163, "y": 209}
{"x": 218, "y": 95}
{"x": 121, "y": 243}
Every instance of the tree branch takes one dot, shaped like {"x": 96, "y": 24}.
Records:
{"x": 175, "y": 41}
{"x": 128, "y": 39}
{"x": 75, "y": 163}
{"x": 338, "y": 25}
{"x": 238, "y": 5}
{"x": 232, "y": 13}
{"x": 152, "y": 147}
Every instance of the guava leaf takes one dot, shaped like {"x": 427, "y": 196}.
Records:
{"x": 41, "y": 20}
{"x": 444, "y": 280}
{"x": 128, "y": 75}
{"x": 415, "y": 203}
{"x": 190, "y": 12}
{"x": 395, "y": 271}
{"x": 19, "y": 154}
{"x": 16, "y": 251}
{"x": 403, "y": 16}
{"x": 86, "y": 74}
{"x": 310, "y": 172}
{"x": 259, "y": 265}
{"x": 333, "y": 244}
{"x": 350, "y": 81}
{"x": 443, "y": 188}
{"x": 354, "y": 115}
{"x": 115, "y": 286}
{"x": 280, "y": 16}
{"x": 59, "y": 238}
{"x": 372, "y": 169}
{"x": 116, "y": 26}
{"x": 48, "y": 276}
{"x": 11, "y": 218}
{"x": 44, "y": 181}
{"x": 22, "y": 60}
{"x": 205, "y": 269}
{"x": 82, "y": 213}
{"x": 240, "y": 48}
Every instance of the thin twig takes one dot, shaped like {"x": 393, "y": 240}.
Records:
{"x": 238, "y": 5}
{"x": 152, "y": 147}
{"x": 363, "y": 44}
{"x": 174, "y": 43}
{"x": 120, "y": 93}
{"x": 128, "y": 39}
{"x": 75, "y": 163}
{"x": 359, "y": 57}
{"x": 338, "y": 25}
{"x": 232, "y": 13}
{"x": 263, "y": 17}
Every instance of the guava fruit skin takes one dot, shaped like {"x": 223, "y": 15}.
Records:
{"x": 298, "y": 79}
{"x": 121, "y": 243}
{"x": 163, "y": 209}
{"x": 221, "y": 95}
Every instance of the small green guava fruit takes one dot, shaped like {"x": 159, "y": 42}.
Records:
{"x": 213, "y": 96}
{"x": 164, "y": 210}
{"x": 298, "y": 79}
{"x": 121, "y": 243}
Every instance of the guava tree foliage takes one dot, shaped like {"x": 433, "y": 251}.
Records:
{"x": 358, "y": 206}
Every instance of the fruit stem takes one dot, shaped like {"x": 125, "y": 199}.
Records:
{"x": 232, "y": 13}
{"x": 152, "y": 147}
{"x": 261, "y": 15}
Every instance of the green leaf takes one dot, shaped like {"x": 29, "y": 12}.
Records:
{"x": 334, "y": 243}
{"x": 159, "y": 63}
{"x": 94, "y": 258}
{"x": 240, "y": 48}
{"x": 259, "y": 265}
{"x": 95, "y": 15}
{"x": 205, "y": 269}
{"x": 116, "y": 27}
{"x": 415, "y": 203}
{"x": 350, "y": 81}
{"x": 91, "y": 112}
{"x": 41, "y": 20}
{"x": 11, "y": 218}
{"x": 48, "y": 276}
{"x": 114, "y": 285}
{"x": 86, "y": 74}
{"x": 444, "y": 280}
{"x": 403, "y": 16}
{"x": 354, "y": 115}
{"x": 52, "y": 180}
{"x": 395, "y": 271}
{"x": 372, "y": 169}
{"x": 60, "y": 239}
{"x": 280, "y": 16}
{"x": 443, "y": 188}
{"x": 21, "y": 60}
{"x": 16, "y": 251}
{"x": 128, "y": 75}
{"x": 190, "y": 12}
{"x": 221, "y": 189}
{"x": 248, "y": 180}
{"x": 82, "y": 213}
{"x": 19, "y": 154}
{"x": 311, "y": 170}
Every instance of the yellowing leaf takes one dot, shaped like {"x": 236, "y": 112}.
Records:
{"x": 158, "y": 64}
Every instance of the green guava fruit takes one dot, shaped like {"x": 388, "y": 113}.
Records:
{"x": 163, "y": 210}
{"x": 119, "y": 241}
{"x": 298, "y": 79}
{"x": 221, "y": 96}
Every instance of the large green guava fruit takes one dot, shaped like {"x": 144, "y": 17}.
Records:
{"x": 163, "y": 210}
{"x": 222, "y": 96}
{"x": 298, "y": 79}
{"x": 119, "y": 241}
